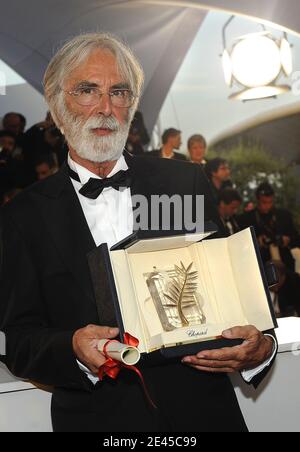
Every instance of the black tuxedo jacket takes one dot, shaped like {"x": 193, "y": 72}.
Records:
{"x": 46, "y": 294}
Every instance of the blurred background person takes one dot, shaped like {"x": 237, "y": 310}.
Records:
{"x": 43, "y": 138}
{"x": 218, "y": 173}
{"x": 286, "y": 294}
{"x": 8, "y": 143}
{"x": 45, "y": 166}
{"x": 249, "y": 206}
{"x": 274, "y": 227}
{"x": 9, "y": 195}
{"x": 138, "y": 136}
{"x": 229, "y": 203}
{"x": 12, "y": 169}
{"x": 197, "y": 148}
{"x": 171, "y": 140}
{"x": 15, "y": 123}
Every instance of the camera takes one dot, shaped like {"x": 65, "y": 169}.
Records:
{"x": 271, "y": 274}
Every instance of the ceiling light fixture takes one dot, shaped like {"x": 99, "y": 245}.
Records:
{"x": 255, "y": 63}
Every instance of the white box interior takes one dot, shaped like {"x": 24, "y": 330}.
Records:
{"x": 229, "y": 280}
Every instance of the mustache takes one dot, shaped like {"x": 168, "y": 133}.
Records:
{"x": 106, "y": 123}
{"x": 96, "y": 122}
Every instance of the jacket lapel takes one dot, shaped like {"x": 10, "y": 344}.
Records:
{"x": 145, "y": 181}
{"x": 148, "y": 180}
{"x": 67, "y": 225}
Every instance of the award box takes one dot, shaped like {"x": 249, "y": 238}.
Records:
{"x": 177, "y": 294}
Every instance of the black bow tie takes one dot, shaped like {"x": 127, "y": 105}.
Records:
{"x": 94, "y": 187}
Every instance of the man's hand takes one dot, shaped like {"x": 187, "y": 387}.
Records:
{"x": 255, "y": 350}
{"x": 85, "y": 343}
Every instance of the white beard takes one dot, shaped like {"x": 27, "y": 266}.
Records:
{"x": 87, "y": 144}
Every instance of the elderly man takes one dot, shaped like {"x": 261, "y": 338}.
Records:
{"x": 48, "y": 307}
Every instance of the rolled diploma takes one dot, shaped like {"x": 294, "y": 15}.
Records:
{"x": 121, "y": 352}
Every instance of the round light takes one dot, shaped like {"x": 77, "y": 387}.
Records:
{"x": 227, "y": 67}
{"x": 256, "y": 61}
{"x": 286, "y": 57}
{"x": 262, "y": 92}
{"x": 251, "y": 35}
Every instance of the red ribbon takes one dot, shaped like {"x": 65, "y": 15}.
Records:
{"x": 112, "y": 367}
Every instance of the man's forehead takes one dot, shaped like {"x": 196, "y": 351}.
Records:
{"x": 13, "y": 118}
{"x": 198, "y": 144}
{"x": 99, "y": 68}
{"x": 93, "y": 84}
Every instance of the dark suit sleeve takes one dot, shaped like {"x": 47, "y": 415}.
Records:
{"x": 257, "y": 380}
{"x": 33, "y": 350}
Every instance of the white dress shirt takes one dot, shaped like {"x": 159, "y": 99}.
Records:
{"x": 110, "y": 216}
{"x": 110, "y": 219}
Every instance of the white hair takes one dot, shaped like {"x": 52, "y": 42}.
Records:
{"x": 74, "y": 53}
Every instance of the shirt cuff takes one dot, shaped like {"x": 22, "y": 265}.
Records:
{"x": 248, "y": 375}
{"x": 93, "y": 378}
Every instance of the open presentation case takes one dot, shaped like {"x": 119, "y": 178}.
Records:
{"x": 178, "y": 294}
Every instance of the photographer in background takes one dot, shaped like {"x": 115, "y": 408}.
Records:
{"x": 8, "y": 144}
{"x": 45, "y": 166}
{"x": 43, "y": 138}
{"x": 15, "y": 123}
{"x": 229, "y": 203}
{"x": 218, "y": 173}
{"x": 12, "y": 171}
{"x": 274, "y": 228}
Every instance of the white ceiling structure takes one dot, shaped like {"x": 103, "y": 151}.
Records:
{"x": 160, "y": 33}
{"x": 278, "y": 132}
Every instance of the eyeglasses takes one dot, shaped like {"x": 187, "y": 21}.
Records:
{"x": 90, "y": 96}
